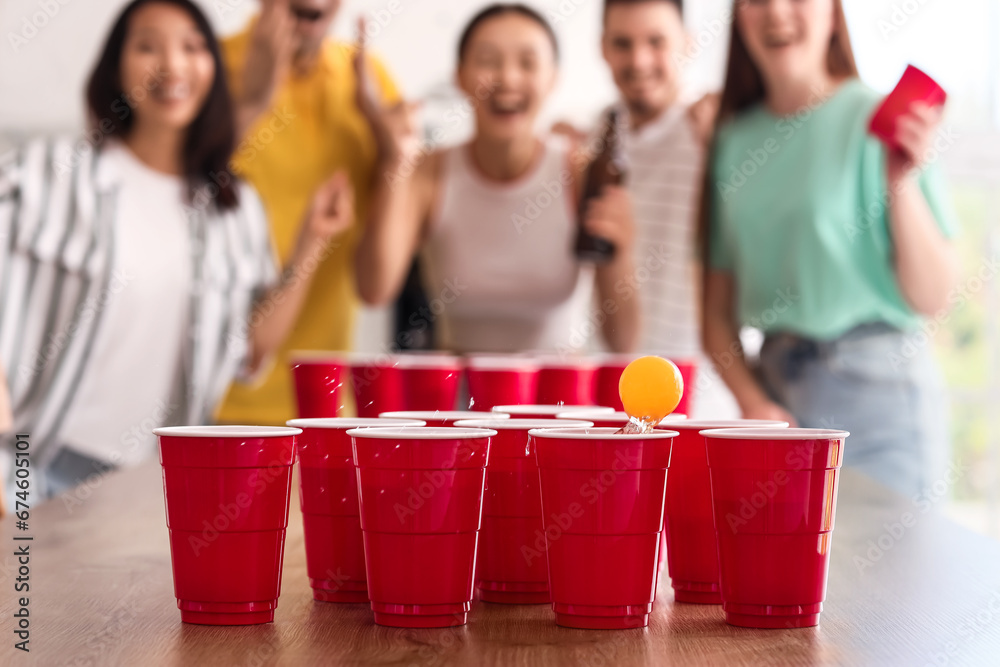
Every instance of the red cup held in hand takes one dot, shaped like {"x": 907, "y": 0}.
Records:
{"x": 914, "y": 86}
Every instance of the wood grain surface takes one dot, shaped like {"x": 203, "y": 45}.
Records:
{"x": 927, "y": 593}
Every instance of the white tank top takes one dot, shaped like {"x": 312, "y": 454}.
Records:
{"x": 498, "y": 265}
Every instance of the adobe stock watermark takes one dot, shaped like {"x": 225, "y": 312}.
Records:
{"x": 36, "y": 360}
{"x": 130, "y": 442}
{"x": 363, "y": 376}
{"x": 875, "y": 214}
{"x": 914, "y": 342}
{"x": 32, "y": 24}
{"x": 230, "y": 512}
{"x": 923, "y": 502}
{"x": 757, "y": 158}
{"x": 431, "y": 481}
{"x": 590, "y": 493}
{"x": 971, "y": 627}
{"x": 899, "y": 15}
{"x": 707, "y": 34}
{"x": 453, "y": 117}
{"x": 655, "y": 260}
{"x": 784, "y": 300}
{"x": 797, "y": 460}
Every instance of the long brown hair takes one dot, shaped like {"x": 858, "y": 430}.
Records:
{"x": 744, "y": 87}
{"x": 211, "y": 137}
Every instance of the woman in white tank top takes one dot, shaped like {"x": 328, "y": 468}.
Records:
{"x": 495, "y": 218}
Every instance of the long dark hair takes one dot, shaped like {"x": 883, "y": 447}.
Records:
{"x": 744, "y": 87}
{"x": 211, "y": 137}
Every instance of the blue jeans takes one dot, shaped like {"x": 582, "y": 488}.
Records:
{"x": 874, "y": 382}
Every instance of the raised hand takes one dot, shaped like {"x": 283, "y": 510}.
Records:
{"x": 269, "y": 59}
{"x": 395, "y": 127}
{"x": 915, "y": 131}
{"x": 330, "y": 213}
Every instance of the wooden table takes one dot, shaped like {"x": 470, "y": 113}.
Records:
{"x": 101, "y": 594}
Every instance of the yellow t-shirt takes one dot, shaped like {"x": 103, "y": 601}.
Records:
{"x": 312, "y": 130}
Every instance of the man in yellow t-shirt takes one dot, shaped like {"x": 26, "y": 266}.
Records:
{"x": 295, "y": 93}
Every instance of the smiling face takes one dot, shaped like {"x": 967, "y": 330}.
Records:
{"x": 788, "y": 40}
{"x": 508, "y": 69}
{"x": 643, "y": 42}
{"x": 167, "y": 69}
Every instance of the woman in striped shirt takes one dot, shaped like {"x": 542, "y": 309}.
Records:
{"x": 137, "y": 278}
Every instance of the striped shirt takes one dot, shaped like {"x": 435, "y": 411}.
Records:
{"x": 58, "y": 272}
{"x": 665, "y": 161}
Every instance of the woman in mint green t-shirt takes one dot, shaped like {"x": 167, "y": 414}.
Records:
{"x": 835, "y": 246}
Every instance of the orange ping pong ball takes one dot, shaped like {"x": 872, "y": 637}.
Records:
{"x": 650, "y": 388}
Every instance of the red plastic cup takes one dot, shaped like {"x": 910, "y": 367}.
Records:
{"x": 328, "y": 493}
{"x": 508, "y": 571}
{"x": 611, "y": 367}
{"x": 567, "y": 381}
{"x": 774, "y": 492}
{"x": 441, "y": 417}
{"x": 604, "y": 419}
{"x": 378, "y": 384}
{"x": 609, "y": 372}
{"x": 500, "y": 380}
{"x": 226, "y": 491}
{"x": 602, "y": 511}
{"x": 913, "y": 86}
{"x": 421, "y": 497}
{"x": 319, "y": 379}
{"x": 545, "y": 411}
{"x": 430, "y": 381}
{"x": 689, "y": 532}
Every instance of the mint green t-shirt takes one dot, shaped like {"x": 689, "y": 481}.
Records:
{"x": 800, "y": 218}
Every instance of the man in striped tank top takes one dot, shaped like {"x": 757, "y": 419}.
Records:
{"x": 643, "y": 43}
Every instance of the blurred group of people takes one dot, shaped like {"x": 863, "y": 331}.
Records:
{"x": 235, "y": 201}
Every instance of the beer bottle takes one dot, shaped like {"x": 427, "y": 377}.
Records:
{"x": 607, "y": 168}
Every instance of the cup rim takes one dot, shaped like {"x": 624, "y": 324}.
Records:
{"x": 339, "y": 423}
{"x": 372, "y": 359}
{"x": 437, "y": 415}
{"x": 775, "y": 433}
{"x": 546, "y": 409}
{"x": 317, "y": 356}
{"x": 499, "y": 363}
{"x": 428, "y": 361}
{"x": 421, "y": 433}
{"x": 570, "y": 363}
{"x": 718, "y": 424}
{"x": 522, "y": 424}
{"x": 599, "y": 433}
{"x": 226, "y": 431}
{"x": 617, "y": 414}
